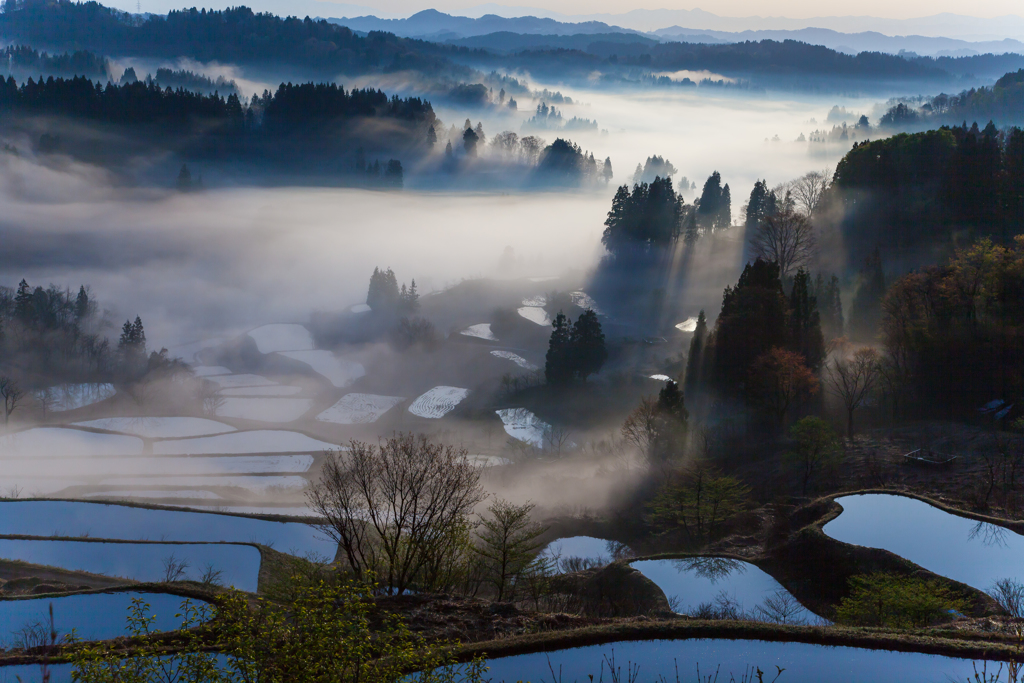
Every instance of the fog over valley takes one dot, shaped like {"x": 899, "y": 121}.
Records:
{"x": 469, "y": 347}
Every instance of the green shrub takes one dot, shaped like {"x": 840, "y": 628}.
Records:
{"x": 884, "y": 599}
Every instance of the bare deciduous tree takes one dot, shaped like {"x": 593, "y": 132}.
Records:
{"x": 810, "y": 188}
{"x": 640, "y": 427}
{"x": 398, "y": 510}
{"x": 852, "y": 379}
{"x": 12, "y": 394}
{"x": 786, "y": 238}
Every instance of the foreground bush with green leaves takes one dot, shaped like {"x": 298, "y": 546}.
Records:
{"x": 328, "y": 634}
{"x": 885, "y": 599}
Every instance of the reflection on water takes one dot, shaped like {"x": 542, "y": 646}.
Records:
{"x": 990, "y": 535}
{"x": 724, "y": 588}
{"x": 678, "y": 660}
{"x": 576, "y": 553}
{"x": 710, "y": 568}
{"x": 98, "y": 616}
{"x": 978, "y": 554}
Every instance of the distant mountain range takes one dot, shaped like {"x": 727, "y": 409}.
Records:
{"x": 473, "y": 31}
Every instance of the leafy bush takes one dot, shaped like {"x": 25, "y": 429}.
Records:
{"x": 327, "y": 634}
{"x": 885, "y": 599}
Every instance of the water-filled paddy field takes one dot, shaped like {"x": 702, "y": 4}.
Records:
{"x": 239, "y": 564}
{"x": 94, "y": 616}
{"x": 660, "y": 660}
{"x": 965, "y": 550}
{"x": 121, "y": 522}
{"x": 691, "y": 582}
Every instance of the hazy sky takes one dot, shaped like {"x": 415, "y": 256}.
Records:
{"x": 901, "y": 9}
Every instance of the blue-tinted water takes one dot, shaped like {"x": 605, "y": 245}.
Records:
{"x": 239, "y": 564}
{"x": 974, "y": 553}
{"x": 98, "y": 616}
{"x": 725, "y": 582}
{"x": 802, "y": 663}
{"x": 101, "y": 520}
{"x": 586, "y": 548}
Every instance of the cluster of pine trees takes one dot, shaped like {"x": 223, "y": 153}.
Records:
{"x": 290, "y": 108}
{"x": 575, "y": 350}
{"x": 50, "y": 334}
{"x": 385, "y": 296}
{"x": 757, "y": 322}
{"x": 653, "y": 215}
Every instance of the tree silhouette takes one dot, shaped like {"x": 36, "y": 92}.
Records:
{"x": 587, "y": 346}
{"x": 778, "y": 379}
{"x": 805, "y": 323}
{"x": 695, "y": 358}
{"x": 558, "y": 361}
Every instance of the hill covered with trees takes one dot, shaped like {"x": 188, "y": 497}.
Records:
{"x": 916, "y": 190}
{"x": 305, "y": 120}
{"x": 236, "y": 35}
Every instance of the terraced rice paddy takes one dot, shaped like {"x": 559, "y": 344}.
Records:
{"x": 359, "y": 409}
{"x": 438, "y": 402}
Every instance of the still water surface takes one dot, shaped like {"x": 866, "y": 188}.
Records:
{"x": 961, "y": 549}
{"x": 99, "y": 616}
{"x": 699, "y": 580}
{"x": 122, "y": 522}
{"x": 239, "y": 564}
{"x": 663, "y": 658}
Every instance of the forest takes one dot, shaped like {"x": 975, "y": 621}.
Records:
{"x": 914, "y": 189}
{"x": 236, "y": 35}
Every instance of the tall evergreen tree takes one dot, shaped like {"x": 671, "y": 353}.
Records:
{"x": 383, "y": 294}
{"x": 710, "y": 203}
{"x": 669, "y": 423}
{"x": 23, "y": 303}
{"x": 431, "y": 137}
{"x": 469, "y": 141}
{"x": 558, "y": 361}
{"x": 754, "y": 319}
{"x": 587, "y": 346}
{"x": 723, "y": 219}
{"x": 81, "y": 305}
{"x": 830, "y": 306}
{"x": 695, "y": 357}
{"x": 606, "y": 170}
{"x": 805, "y": 322}
{"x": 866, "y": 312}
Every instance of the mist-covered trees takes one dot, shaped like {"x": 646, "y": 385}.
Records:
{"x": 910, "y": 190}
{"x": 575, "y": 350}
{"x": 24, "y": 59}
{"x": 785, "y": 237}
{"x": 49, "y": 335}
{"x": 714, "y": 208}
{"x": 655, "y": 167}
{"x": 384, "y": 295}
{"x": 565, "y": 162}
{"x": 647, "y": 217}
{"x": 762, "y": 203}
{"x": 695, "y": 357}
{"x": 131, "y": 346}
